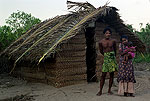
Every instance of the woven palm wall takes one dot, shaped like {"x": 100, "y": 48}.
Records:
{"x": 70, "y": 65}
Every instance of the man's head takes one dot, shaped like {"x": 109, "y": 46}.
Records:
{"x": 107, "y": 32}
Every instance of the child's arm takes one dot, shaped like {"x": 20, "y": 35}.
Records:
{"x": 132, "y": 49}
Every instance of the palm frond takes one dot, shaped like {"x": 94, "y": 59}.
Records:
{"x": 79, "y": 6}
{"x": 142, "y": 55}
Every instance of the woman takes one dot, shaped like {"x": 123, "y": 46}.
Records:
{"x": 126, "y": 77}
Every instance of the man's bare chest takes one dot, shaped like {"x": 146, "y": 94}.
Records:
{"x": 107, "y": 44}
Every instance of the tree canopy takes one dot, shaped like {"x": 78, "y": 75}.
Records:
{"x": 143, "y": 34}
{"x": 17, "y": 24}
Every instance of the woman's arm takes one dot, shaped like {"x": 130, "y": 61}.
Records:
{"x": 121, "y": 51}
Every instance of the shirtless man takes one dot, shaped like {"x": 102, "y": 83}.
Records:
{"x": 107, "y": 48}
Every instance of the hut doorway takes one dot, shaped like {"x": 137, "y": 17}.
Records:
{"x": 90, "y": 54}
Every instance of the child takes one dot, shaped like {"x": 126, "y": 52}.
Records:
{"x": 130, "y": 49}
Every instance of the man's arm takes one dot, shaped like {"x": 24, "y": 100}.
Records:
{"x": 101, "y": 48}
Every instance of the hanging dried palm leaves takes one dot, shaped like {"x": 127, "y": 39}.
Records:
{"x": 80, "y": 6}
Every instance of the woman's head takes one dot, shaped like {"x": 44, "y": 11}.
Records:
{"x": 107, "y": 32}
{"x": 124, "y": 39}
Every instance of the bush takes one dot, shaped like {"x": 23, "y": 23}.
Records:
{"x": 143, "y": 34}
{"x": 140, "y": 57}
{"x": 6, "y": 36}
{"x": 17, "y": 24}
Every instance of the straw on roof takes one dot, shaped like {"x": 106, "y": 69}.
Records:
{"x": 43, "y": 39}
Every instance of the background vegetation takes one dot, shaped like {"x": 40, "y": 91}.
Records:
{"x": 144, "y": 35}
{"x": 17, "y": 24}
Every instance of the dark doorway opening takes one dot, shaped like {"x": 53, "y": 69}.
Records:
{"x": 90, "y": 54}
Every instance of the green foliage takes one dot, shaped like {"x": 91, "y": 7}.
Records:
{"x": 143, "y": 34}
{"x": 142, "y": 58}
{"x": 131, "y": 28}
{"x": 6, "y": 36}
{"x": 18, "y": 23}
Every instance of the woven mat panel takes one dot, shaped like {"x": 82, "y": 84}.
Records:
{"x": 70, "y": 59}
{"x": 73, "y": 47}
{"x": 77, "y": 40}
{"x": 66, "y": 71}
{"x": 32, "y": 69}
{"x": 65, "y": 65}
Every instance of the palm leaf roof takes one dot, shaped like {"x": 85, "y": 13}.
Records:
{"x": 43, "y": 39}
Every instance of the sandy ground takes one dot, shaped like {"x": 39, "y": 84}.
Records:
{"x": 15, "y": 89}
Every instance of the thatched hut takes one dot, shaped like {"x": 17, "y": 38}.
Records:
{"x": 63, "y": 50}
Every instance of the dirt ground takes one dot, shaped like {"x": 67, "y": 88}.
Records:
{"x": 15, "y": 89}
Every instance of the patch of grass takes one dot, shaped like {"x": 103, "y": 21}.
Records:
{"x": 140, "y": 57}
